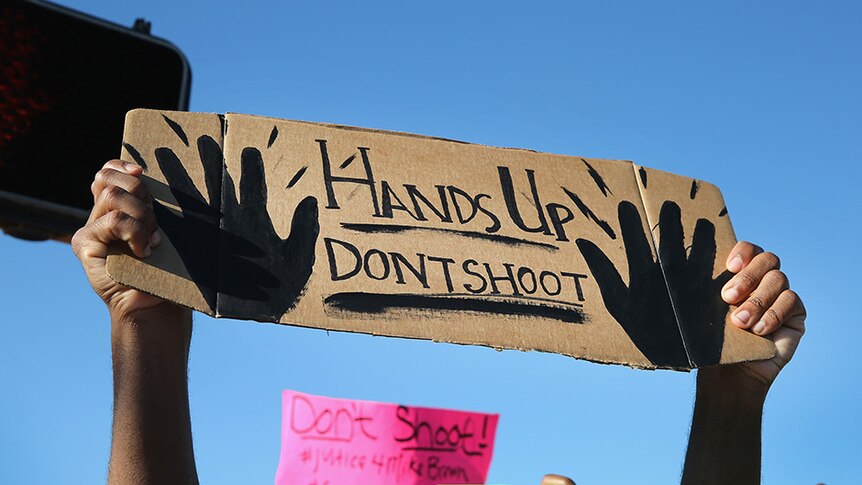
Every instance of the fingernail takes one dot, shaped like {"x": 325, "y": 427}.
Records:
{"x": 742, "y": 316}
{"x": 155, "y": 238}
{"x": 731, "y": 294}
{"x": 147, "y": 251}
{"x": 759, "y": 327}
{"x": 735, "y": 264}
{"x": 129, "y": 166}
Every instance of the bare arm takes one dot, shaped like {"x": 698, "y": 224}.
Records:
{"x": 724, "y": 445}
{"x": 151, "y": 440}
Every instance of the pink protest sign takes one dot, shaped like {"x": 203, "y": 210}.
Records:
{"x": 327, "y": 441}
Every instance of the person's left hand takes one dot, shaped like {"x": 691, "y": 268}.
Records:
{"x": 767, "y": 307}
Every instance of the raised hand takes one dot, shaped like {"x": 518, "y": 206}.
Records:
{"x": 644, "y": 309}
{"x": 725, "y": 441}
{"x": 767, "y": 307}
{"x": 122, "y": 214}
{"x": 151, "y": 432}
{"x": 241, "y": 265}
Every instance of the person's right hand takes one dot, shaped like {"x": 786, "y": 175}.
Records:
{"x": 123, "y": 212}
{"x": 151, "y": 438}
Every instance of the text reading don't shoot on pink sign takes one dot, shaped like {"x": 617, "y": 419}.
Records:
{"x": 327, "y": 441}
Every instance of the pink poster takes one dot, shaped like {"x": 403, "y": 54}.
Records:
{"x": 327, "y": 441}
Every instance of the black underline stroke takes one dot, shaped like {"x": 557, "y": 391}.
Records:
{"x": 396, "y": 228}
{"x": 429, "y": 448}
{"x": 503, "y": 297}
{"x": 377, "y": 303}
{"x": 327, "y": 438}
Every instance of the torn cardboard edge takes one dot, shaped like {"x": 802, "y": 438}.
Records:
{"x": 234, "y": 155}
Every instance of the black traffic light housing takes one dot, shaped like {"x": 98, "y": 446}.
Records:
{"x": 67, "y": 80}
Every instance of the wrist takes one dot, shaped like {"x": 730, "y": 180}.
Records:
{"x": 731, "y": 385}
{"x": 166, "y": 327}
{"x": 150, "y": 350}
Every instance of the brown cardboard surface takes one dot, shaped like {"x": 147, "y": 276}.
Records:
{"x": 699, "y": 247}
{"x": 163, "y": 273}
{"x": 401, "y": 235}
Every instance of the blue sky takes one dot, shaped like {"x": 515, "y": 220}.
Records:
{"x": 760, "y": 98}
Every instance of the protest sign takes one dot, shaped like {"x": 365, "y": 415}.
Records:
{"x": 394, "y": 234}
{"x": 327, "y": 441}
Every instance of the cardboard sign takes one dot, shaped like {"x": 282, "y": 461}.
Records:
{"x": 393, "y": 234}
{"x": 326, "y": 441}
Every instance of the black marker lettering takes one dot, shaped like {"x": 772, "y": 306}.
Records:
{"x": 329, "y": 179}
{"x": 465, "y": 266}
{"x": 421, "y": 274}
{"x": 445, "y": 262}
{"x": 388, "y": 206}
{"x": 495, "y": 221}
{"x": 443, "y": 213}
{"x": 576, "y": 277}
{"x": 543, "y": 276}
{"x": 512, "y": 204}
{"x": 557, "y": 221}
{"x": 384, "y": 263}
{"x": 454, "y": 192}
{"x": 510, "y": 277}
{"x": 333, "y": 266}
{"x": 524, "y": 271}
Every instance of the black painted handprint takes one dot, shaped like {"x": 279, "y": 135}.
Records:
{"x": 696, "y": 295}
{"x": 290, "y": 260}
{"x": 241, "y": 265}
{"x": 195, "y": 233}
{"x": 644, "y": 308}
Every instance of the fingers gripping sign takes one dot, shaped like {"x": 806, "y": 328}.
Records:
{"x": 122, "y": 214}
{"x": 767, "y": 306}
